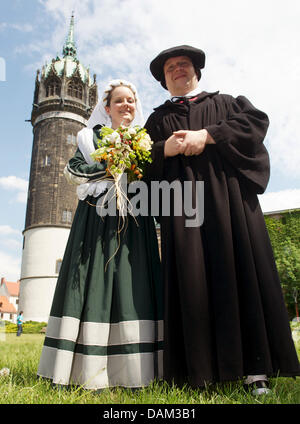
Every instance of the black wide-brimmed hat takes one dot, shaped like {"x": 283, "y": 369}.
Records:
{"x": 197, "y": 56}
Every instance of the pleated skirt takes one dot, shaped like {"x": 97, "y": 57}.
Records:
{"x": 106, "y": 322}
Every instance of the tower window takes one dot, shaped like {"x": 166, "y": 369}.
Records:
{"x": 67, "y": 216}
{"x": 75, "y": 89}
{"x": 53, "y": 88}
{"x": 47, "y": 161}
{"x": 92, "y": 98}
{"x": 72, "y": 139}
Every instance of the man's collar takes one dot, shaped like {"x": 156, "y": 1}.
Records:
{"x": 199, "y": 98}
{"x": 192, "y": 93}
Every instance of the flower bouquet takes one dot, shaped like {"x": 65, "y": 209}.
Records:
{"x": 125, "y": 150}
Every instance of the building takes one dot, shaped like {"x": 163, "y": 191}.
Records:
{"x": 63, "y": 100}
{"x": 281, "y": 214}
{"x": 9, "y": 300}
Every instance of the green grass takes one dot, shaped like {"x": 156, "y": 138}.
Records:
{"x": 21, "y": 355}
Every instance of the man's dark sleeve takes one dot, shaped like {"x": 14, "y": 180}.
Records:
{"x": 239, "y": 140}
{"x": 155, "y": 170}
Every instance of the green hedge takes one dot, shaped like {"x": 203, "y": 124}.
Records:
{"x": 29, "y": 327}
{"x": 284, "y": 234}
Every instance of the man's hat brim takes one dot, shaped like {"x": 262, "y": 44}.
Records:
{"x": 197, "y": 56}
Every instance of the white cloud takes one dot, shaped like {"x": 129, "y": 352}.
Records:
{"x": 10, "y": 266}
{"x": 22, "y": 27}
{"x": 15, "y": 184}
{"x": 280, "y": 200}
{"x": 18, "y": 27}
{"x": 10, "y": 252}
{"x": 8, "y": 230}
{"x": 12, "y": 245}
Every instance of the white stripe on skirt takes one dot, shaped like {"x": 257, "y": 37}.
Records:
{"x": 97, "y": 372}
{"x": 104, "y": 334}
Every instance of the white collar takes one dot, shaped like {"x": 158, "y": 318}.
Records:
{"x": 194, "y": 92}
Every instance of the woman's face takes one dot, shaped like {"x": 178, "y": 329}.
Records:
{"x": 122, "y": 107}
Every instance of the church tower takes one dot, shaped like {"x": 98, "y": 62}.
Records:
{"x": 64, "y": 98}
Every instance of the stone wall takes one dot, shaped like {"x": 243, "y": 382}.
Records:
{"x": 49, "y": 193}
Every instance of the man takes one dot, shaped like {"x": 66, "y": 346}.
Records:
{"x": 225, "y": 316}
{"x": 20, "y": 323}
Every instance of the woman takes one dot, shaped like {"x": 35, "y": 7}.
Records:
{"x": 105, "y": 323}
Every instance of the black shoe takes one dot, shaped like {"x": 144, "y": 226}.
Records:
{"x": 258, "y": 388}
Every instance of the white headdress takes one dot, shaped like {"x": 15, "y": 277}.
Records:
{"x": 85, "y": 139}
{"x": 99, "y": 115}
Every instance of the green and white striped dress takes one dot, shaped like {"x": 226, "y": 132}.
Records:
{"x": 105, "y": 327}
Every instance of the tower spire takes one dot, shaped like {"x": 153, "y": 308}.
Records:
{"x": 69, "y": 48}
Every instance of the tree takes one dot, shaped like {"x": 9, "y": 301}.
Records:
{"x": 288, "y": 265}
{"x": 285, "y": 238}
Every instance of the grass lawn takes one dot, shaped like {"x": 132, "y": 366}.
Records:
{"x": 21, "y": 355}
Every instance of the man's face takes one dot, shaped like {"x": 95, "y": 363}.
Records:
{"x": 180, "y": 75}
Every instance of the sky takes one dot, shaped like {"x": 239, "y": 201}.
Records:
{"x": 252, "y": 49}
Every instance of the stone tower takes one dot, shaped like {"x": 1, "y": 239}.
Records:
{"x": 64, "y": 98}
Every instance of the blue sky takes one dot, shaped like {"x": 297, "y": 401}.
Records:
{"x": 251, "y": 48}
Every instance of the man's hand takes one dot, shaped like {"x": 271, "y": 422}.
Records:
{"x": 172, "y": 146}
{"x": 193, "y": 142}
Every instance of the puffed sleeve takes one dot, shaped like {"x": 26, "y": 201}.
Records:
{"x": 81, "y": 168}
{"x": 239, "y": 139}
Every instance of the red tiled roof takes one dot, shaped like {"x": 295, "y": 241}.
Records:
{"x": 6, "y": 307}
{"x": 13, "y": 288}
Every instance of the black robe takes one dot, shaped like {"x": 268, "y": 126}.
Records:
{"x": 225, "y": 316}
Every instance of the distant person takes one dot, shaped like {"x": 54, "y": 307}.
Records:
{"x": 225, "y": 316}
{"x": 20, "y": 321}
